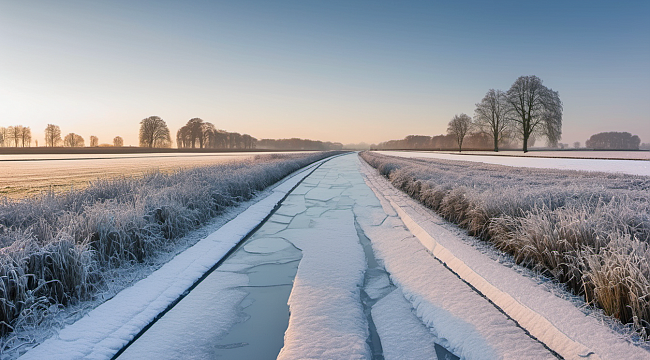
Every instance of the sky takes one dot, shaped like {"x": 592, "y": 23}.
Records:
{"x": 346, "y": 71}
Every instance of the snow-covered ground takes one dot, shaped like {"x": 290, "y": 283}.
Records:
{"x": 421, "y": 290}
{"x": 571, "y": 154}
{"x": 632, "y": 167}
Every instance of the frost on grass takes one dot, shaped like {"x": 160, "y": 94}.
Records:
{"x": 60, "y": 248}
{"x": 588, "y": 230}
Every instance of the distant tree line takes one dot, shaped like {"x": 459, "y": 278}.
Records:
{"x": 15, "y": 136}
{"x": 613, "y": 140}
{"x": 528, "y": 110}
{"x": 203, "y": 135}
{"x": 298, "y": 144}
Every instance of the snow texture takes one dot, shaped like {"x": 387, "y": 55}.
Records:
{"x": 327, "y": 319}
{"x": 633, "y": 167}
{"x": 403, "y": 336}
{"x": 555, "y": 321}
{"x": 105, "y": 330}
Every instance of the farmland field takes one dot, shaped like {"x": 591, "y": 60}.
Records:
{"x": 24, "y": 175}
{"x": 601, "y": 161}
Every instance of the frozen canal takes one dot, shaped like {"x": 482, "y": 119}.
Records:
{"x": 311, "y": 260}
{"x": 343, "y": 302}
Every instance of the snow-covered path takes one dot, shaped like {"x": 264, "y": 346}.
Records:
{"x": 632, "y": 167}
{"x": 374, "y": 274}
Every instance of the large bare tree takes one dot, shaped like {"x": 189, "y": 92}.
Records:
{"x": 118, "y": 141}
{"x": 73, "y": 140}
{"x": 491, "y": 116}
{"x": 15, "y": 135}
{"x": 458, "y": 127}
{"x": 26, "y": 136}
{"x": 94, "y": 141}
{"x": 52, "y": 135}
{"x": 154, "y": 133}
{"x": 536, "y": 110}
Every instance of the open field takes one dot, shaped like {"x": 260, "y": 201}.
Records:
{"x": 588, "y": 230}
{"x": 25, "y": 175}
{"x": 562, "y": 154}
{"x": 614, "y": 163}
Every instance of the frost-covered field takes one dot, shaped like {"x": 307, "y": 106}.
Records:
{"x": 588, "y": 230}
{"x": 57, "y": 249}
{"x": 570, "y": 154}
{"x": 632, "y": 167}
{"x": 24, "y": 175}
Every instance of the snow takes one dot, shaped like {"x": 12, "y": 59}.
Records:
{"x": 109, "y": 327}
{"x": 555, "y": 321}
{"x": 402, "y": 334}
{"x": 327, "y": 320}
{"x": 632, "y": 167}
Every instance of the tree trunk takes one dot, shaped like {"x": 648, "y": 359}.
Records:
{"x": 496, "y": 143}
{"x": 526, "y": 143}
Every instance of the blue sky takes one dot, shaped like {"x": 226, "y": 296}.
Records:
{"x": 346, "y": 71}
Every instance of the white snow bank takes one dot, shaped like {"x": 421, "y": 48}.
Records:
{"x": 105, "y": 330}
{"x": 633, "y": 167}
{"x": 554, "y": 321}
{"x": 327, "y": 320}
{"x": 403, "y": 336}
{"x": 466, "y": 323}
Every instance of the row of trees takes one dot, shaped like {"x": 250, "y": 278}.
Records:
{"x": 53, "y": 138}
{"x": 614, "y": 140}
{"x": 16, "y": 136}
{"x": 528, "y": 110}
{"x": 199, "y": 134}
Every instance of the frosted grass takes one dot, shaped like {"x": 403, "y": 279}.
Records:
{"x": 60, "y": 248}
{"x": 588, "y": 230}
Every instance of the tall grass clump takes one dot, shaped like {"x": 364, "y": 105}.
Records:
{"x": 590, "y": 231}
{"x": 58, "y": 248}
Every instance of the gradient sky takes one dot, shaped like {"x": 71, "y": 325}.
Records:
{"x": 347, "y": 71}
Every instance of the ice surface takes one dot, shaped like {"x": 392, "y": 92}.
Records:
{"x": 327, "y": 320}
{"x": 633, "y": 167}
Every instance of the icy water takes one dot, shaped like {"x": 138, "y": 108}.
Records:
{"x": 239, "y": 311}
{"x": 270, "y": 264}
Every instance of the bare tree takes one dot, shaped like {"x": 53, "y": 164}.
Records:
{"x": 15, "y": 135}
{"x": 3, "y": 136}
{"x": 458, "y": 127}
{"x": 52, "y": 135}
{"x": 576, "y": 145}
{"x": 154, "y": 133}
{"x": 491, "y": 116}
{"x": 26, "y": 136}
{"x": 73, "y": 140}
{"x": 118, "y": 141}
{"x": 94, "y": 141}
{"x": 536, "y": 110}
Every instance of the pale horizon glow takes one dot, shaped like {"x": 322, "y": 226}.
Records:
{"x": 367, "y": 71}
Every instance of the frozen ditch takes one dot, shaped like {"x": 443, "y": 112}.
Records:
{"x": 238, "y": 312}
